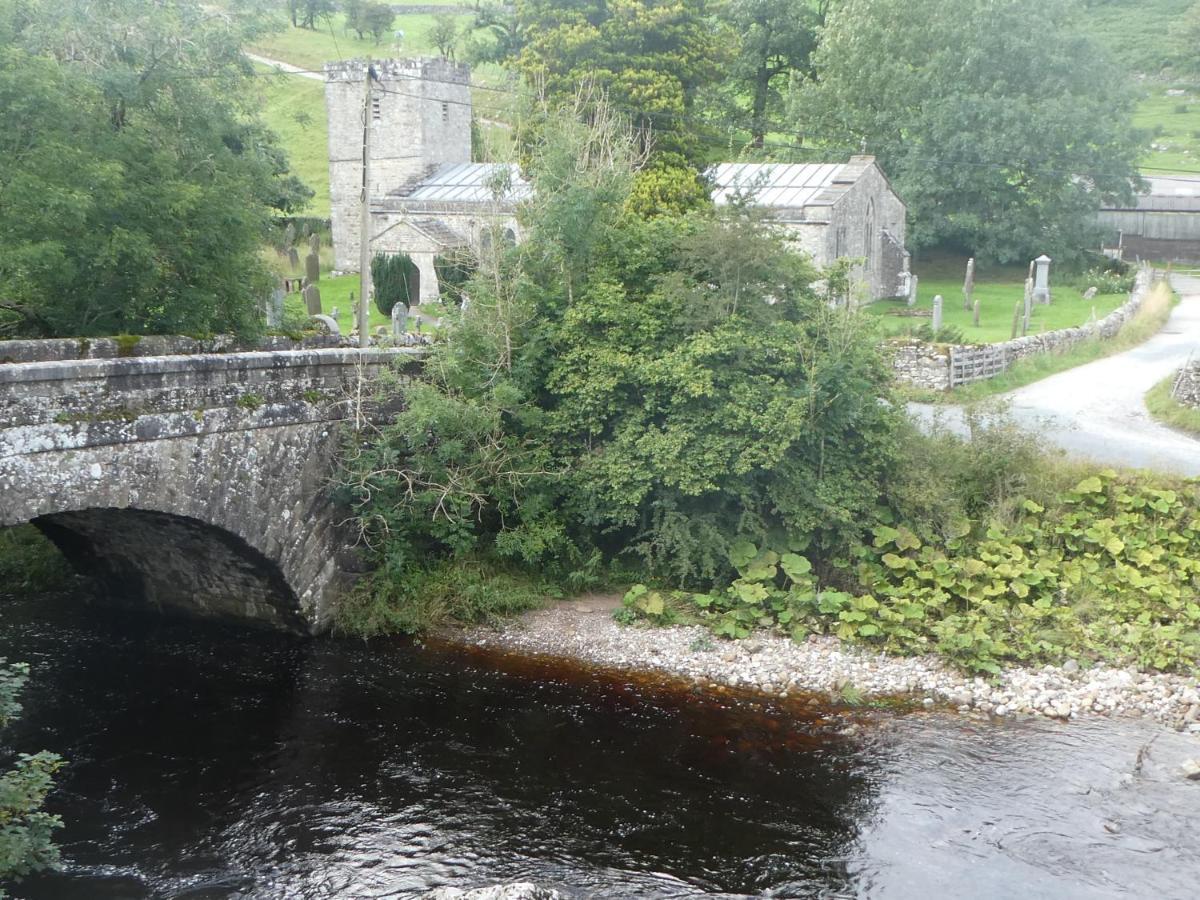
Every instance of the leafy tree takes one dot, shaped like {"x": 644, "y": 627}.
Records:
{"x": 25, "y": 831}
{"x": 496, "y": 34}
{"x": 378, "y": 19}
{"x": 650, "y": 57}
{"x": 353, "y": 11}
{"x": 1003, "y": 144}
{"x": 312, "y": 12}
{"x": 445, "y": 35}
{"x": 136, "y": 181}
{"x": 668, "y": 186}
{"x": 778, "y": 38}
{"x": 394, "y": 279}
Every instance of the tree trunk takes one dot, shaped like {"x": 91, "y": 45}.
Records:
{"x": 762, "y": 84}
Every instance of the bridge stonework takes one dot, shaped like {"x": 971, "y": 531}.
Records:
{"x": 196, "y": 483}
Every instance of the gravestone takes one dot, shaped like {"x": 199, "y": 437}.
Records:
{"x": 975, "y": 317}
{"x": 275, "y": 308}
{"x": 937, "y": 315}
{"x": 399, "y": 322}
{"x": 969, "y": 284}
{"x": 1090, "y": 293}
{"x": 1041, "y": 282}
{"x": 312, "y": 300}
{"x": 912, "y": 290}
{"x": 1016, "y": 325}
{"x": 293, "y": 258}
{"x": 312, "y": 268}
{"x": 329, "y": 324}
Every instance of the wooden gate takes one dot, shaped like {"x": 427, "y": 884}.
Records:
{"x": 969, "y": 364}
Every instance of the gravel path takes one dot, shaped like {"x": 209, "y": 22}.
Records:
{"x": 585, "y": 632}
{"x": 1098, "y": 411}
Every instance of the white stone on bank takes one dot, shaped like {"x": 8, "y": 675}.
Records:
{"x": 774, "y": 665}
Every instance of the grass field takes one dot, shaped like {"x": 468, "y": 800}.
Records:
{"x": 294, "y": 108}
{"x": 998, "y": 290}
{"x": 312, "y": 49}
{"x": 1170, "y": 412}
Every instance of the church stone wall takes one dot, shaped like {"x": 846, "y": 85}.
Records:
{"x": 421, "y": 118}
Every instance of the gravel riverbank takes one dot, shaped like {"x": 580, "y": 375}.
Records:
{"x": 584, "y": 631}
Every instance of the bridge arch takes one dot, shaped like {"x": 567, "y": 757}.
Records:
{"x": 147, "y": 559}
{"x": 198, "y": 483}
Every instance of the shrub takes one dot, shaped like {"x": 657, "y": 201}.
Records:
{"x": 394, "y": 279}
{"x": 1107, "y": 281}
{"x": 454, "y": 270}
{"x": 1105, "y": 570}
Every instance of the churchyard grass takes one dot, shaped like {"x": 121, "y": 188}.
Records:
{"x": 998, "y": 290}
{"x": 1169, "y": 411}
{"x": 1147, "y": 322}
{"x": 335, "y": 294}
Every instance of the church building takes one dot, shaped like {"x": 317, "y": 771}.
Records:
{"x": 428, "y": 198}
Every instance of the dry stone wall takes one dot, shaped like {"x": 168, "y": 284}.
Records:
{"x": 1187, "y": 385}
{"x": 931, "y": 366}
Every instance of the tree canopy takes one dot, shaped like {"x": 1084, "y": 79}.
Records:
{"x": 136, "y": 180}
{"x": 777, "y": 39}
{"x": 650, "y": 57}
{"x": 1001, "y": 126}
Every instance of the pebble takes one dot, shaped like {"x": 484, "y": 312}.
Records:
{"x": 777, "y": 666}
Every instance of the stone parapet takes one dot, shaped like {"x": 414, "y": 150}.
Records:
{"x": 27, "y": 351}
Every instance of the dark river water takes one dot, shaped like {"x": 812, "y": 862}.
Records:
{"x": 213, "y": 762}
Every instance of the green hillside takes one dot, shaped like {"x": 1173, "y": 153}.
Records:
{"x": 294, "y": 108}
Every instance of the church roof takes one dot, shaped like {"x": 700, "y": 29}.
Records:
{"x": 787, "y": 185}
{"x": 468, "y": 183}
{"x": 439, "y": 232}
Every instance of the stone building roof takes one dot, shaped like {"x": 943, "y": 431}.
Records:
{"x": 468, "y": 183}
{"x": 788, "y": 185}
{"x": 439, "y": 232}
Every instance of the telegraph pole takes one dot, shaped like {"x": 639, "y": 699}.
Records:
{"x": 364, "y": 234}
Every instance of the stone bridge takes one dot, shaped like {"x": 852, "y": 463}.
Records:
{"x": 192, "y": 482}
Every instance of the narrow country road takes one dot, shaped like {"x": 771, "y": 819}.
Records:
{"x": 1098, "y": 411}
{"x": 286, "y": 68}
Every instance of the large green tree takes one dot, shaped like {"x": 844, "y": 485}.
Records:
{"x": 1001, "y": 126}
{"x": 778, "y": 38}
{"x": 135, "y": 178}
{"x": 651, "y": 58}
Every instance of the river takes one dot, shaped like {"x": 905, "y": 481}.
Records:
{"x": 216, "y": 762}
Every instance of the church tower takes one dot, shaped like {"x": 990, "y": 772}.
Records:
{"x": 420, "y": 115}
